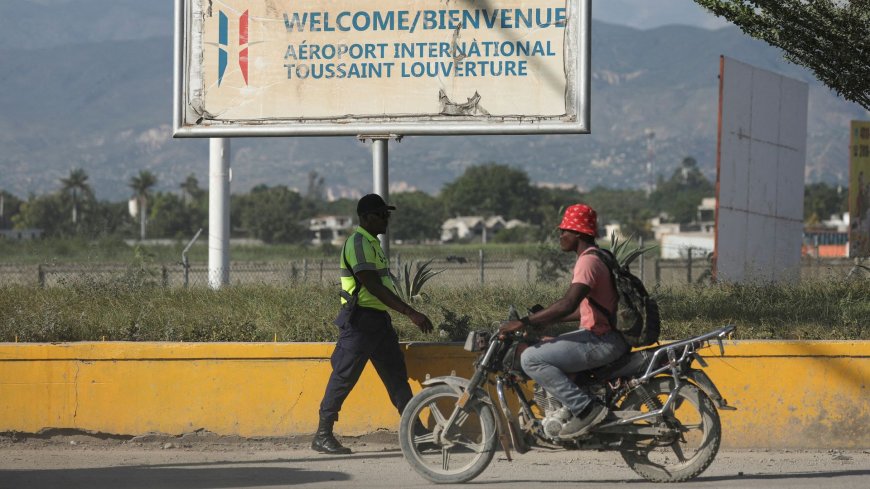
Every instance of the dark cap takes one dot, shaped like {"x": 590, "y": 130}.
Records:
{"x": 372, "y": 203}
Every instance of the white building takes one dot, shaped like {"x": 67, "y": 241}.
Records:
{"x": 677, "y": 246}
{"x": 330, "y": 229}
{"x": 677, "y": 239}
{"x": 474, "y": 228}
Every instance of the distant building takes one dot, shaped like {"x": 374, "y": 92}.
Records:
{"x": 698, "y": 236}
{"x": 20, "y": 234}
{"x": 677, "y": 246}
{"x": 330, "y": 229}
{"x": 475, "y": 228}
{"x": 705, "y": 221}
{"x": 830, "y": 239}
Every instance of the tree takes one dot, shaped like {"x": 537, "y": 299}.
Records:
{"x": 822, "y": 200}
{"x": 141, "y": 185}
{"x": 171, "y": 217}
{"x": 316, "y": 187}
{"x": 629, "y": 207}
{"x": 76, "y": 187}
{"x": 830, "y": 37}
{"x": 418, "y": 216}
{"x": 10, "y": 206}
{"x": 46, "y": 212}
{"x": 492, "y": 189}
{"x": 190, "y": 191}
{"x": 273, "y": 214}
{"x": 680, "y": 196}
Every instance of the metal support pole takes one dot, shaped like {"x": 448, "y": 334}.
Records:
{"x": 381, "y": 180}
{"x": 689, "y": 268}
{"x": 219, "y": 213}
{"x": 185, "y": 262}
{"x": 482, "y": 281}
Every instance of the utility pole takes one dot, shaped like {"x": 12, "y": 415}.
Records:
{"x": 650, "y": 161}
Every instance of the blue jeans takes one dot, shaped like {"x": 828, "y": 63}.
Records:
{"x": 549, "y": 361}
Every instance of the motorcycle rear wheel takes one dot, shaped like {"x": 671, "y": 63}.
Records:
{"x": 684, "y": 456}
{"x": 471, "y": 442}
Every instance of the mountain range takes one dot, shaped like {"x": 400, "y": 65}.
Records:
{"x": 88, "y": 84}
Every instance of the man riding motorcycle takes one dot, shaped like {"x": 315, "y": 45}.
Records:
{"x": 591, "y": 298}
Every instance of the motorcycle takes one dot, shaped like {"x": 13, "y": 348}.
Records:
{"x": 663, "y": 411}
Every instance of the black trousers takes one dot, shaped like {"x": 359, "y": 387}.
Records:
{"x": 370, "y": 337}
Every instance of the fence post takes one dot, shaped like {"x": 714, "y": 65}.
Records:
{"x": 165, "y": 276}
{"x": 640, "y": 241}
{"x": 481, "y": 267}
{"x": 185, "y": 264}
{"x": 40, "y": 277}
{"x": 321, "y": 271}
{"x": 689, "y": 270}
{"x": 528, "y": 271}
{"x": 658, "y": 272}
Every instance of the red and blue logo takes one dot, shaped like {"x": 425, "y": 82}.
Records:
{"x": 223, "y": 41}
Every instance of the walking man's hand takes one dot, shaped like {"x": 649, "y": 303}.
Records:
{"x": 420, "y": 320}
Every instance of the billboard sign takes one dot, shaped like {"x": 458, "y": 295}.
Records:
{"x": 407, "y": 67}
{"x": 859, "y": 190}
{"x": 760, "y": 174}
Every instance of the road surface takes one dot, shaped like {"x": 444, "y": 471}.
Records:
{"x": 200, "y": 461}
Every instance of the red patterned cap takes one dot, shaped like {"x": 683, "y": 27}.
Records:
{"x": 580, "y": 218}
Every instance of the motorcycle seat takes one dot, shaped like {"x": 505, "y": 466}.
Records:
{"x": 624, "y": 366}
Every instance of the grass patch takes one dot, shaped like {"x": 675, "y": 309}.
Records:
{"x": 136, "y": 308}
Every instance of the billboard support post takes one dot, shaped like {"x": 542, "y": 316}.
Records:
{"x": 381, "y": 174}
{"x": 219, "y": 213}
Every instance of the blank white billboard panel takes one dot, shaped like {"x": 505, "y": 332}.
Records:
{"x": 760, "y": 165}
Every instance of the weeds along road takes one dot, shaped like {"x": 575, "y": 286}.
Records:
{"x": 87, "y": 463}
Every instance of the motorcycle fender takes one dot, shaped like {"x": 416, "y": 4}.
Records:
{"x": 459, "y": 385}
{"x": 702, "y": 380}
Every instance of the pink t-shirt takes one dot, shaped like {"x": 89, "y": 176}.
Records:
{"x": 590, "y": 270}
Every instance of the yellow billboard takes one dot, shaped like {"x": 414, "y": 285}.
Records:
{"x": 859, "y": 190}
{"x": 403, "y": 66}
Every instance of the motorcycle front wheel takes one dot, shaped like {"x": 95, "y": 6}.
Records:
{"x": 694, "y": 432}
{"x": 470, "y": 444}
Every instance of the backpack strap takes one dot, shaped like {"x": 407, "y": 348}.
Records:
{"x": 607, "y": 258}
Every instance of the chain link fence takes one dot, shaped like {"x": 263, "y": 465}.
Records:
{"x": 455, "y": 271}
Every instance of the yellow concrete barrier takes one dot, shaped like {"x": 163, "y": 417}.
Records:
{"x": 788, "y": 394}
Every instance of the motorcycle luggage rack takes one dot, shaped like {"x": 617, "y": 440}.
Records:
{"x": 689, "y": 348}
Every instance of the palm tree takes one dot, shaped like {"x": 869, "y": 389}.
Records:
{"x": 75, "y": 186}
{"x": 190, "y": 189}
{"x": 141, "y": 185}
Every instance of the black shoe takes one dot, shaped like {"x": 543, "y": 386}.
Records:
{"x": 326, "y": 443}
{"x": 580, "y": 425}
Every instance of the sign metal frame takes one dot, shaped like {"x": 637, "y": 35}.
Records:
{"x": 576, "y": 120}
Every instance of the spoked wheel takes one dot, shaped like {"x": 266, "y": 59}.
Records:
{"x": 470, "y": 444}
{"x": 692, "y": 434}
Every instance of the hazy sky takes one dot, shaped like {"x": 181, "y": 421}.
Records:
{"x": 648, "y": 14}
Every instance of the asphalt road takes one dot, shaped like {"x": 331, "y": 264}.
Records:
{"x": 77, "y": 463}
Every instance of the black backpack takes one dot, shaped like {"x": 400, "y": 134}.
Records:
{"x": 637, "y": 314}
